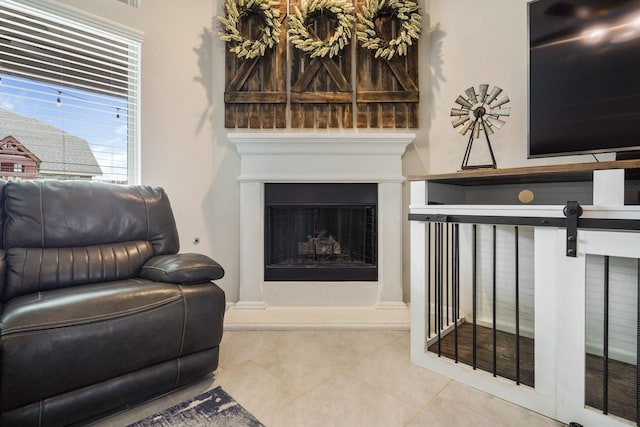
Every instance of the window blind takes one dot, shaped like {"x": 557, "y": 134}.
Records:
{"x": 69, "y": 94}
{"x": 134, "y": 3}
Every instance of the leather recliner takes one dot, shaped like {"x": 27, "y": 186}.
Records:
{"x": 98, "y": 309}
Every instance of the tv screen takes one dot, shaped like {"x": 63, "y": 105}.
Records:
{"x": 584, "y": 76}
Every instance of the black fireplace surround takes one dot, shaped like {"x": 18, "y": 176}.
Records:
{"x": 321, "y": 232}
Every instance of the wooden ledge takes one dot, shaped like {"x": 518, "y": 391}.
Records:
{"x": 547, "y": 173}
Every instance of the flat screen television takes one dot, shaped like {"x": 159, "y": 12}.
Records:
{"x": 584, "y": 77}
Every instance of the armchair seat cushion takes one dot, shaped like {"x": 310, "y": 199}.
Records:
{"x": 71, "y": 332}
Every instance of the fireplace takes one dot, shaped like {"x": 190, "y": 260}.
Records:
{"x": 321, "y": 232}
{"x": 333, "y": 177}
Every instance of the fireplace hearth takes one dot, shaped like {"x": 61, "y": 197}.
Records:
{"x": 321, "y": 232}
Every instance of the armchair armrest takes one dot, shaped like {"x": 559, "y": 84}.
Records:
{"x": 181, "y": 268}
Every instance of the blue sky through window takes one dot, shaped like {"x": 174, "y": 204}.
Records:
{"x": 98, "y": 118}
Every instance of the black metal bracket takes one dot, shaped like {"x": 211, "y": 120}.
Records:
{"x": 572, "y": 211}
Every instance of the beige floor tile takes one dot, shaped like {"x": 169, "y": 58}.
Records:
{"x": 363, "y": 342}
{"x": 339, "y": 378}
{"x": 238, "y": 347}
{"x": 303, "y": 364}
{"x": 391, "y": 371}
{"x": 256, "y": 389}
{"x": 343, "y": 401}
{"x": 443, "y": 413}
{"x": 501, "y": 412}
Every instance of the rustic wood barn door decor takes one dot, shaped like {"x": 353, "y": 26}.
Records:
{"x": 321, "y": 59}
{"x": 321, "y": 91}
{"x": 387, "y": 93}
{"x": 255, "y": 88}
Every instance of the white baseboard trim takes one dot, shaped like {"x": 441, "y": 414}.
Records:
{"x": 317, "y": 318}
{"x": 615, "y": 353}
{"x": 445, "y": 331}
{"x": 248, "y": 305}
{"x": 391, "y": 305}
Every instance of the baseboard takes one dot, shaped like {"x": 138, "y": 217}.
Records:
{"x": 390, "y": 305}
{"x": 317, "y": 318}
{"x": 247, "y": 305}
{"x": 615, "y": 353}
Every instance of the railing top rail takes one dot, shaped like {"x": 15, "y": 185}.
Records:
{"x": 594, "y": 223}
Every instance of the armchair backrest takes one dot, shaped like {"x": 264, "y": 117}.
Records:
{"x": 66, "y": 233}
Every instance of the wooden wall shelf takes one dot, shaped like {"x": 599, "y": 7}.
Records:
{"x": 549, "y": 173}
{"x": 552, "y": 184}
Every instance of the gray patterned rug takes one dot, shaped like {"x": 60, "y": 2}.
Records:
{"x": 215, "y": 408}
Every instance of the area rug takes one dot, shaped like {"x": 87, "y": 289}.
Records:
{"x": 215, "y": 408}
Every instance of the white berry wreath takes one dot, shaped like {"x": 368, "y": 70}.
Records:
{"x": 235, "y": 11}
{"x": 405, "y": 11}
{"x": 300, "y": 37}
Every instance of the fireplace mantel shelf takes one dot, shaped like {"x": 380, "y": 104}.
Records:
{"x": 321, "y": 157}
{"x": 290, "y": 143}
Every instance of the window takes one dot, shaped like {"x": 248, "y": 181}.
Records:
{"x": 69, "y": 91}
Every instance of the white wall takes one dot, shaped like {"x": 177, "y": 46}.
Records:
{"x": 184, "y": 148}
{"x": 473, "y": 42}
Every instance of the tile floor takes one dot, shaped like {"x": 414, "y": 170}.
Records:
{"x": 339, "y": 378}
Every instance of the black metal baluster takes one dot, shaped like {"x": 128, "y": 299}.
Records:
{"x": 456, "y": 288}
{"x": 428, "y": 280}
{"x": 517, "y": 267}
{"x": 474, "y": 296}
{"x": 446, "y": 318}
{"x": 439, "y": 288}
{"x": 605, "y": 356}
{"x": 494, "y": 308}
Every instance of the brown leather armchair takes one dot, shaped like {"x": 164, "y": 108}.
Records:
{"x": 97, "y": 308}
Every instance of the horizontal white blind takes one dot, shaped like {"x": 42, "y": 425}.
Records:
{"x": 134, "y": 3}
{"x": 69, "y": 94}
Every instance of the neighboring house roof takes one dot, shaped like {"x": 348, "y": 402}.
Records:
{"x": 12, "y": 147}
{"x": 60, "y": 152}
{"x": 16, "y": 161}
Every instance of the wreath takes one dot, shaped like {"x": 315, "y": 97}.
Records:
{"x": 301, "y": 38}
{"x": 234, "y": 12}
{"x": 405, "y": 11}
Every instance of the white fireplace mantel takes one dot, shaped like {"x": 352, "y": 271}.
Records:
{"x": 374, "y": 157}
{"x": 313, "y": 157}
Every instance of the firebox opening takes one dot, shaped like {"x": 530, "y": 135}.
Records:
{"x": 321, "y": 232}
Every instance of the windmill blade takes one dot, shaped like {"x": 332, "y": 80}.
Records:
{"x": 461, "y": 101}
{"x": 483, "y": 92}
{"x": 459, "y": 121}
{"x": 494, "y": 94}
{"x": 464, "y": 129}
{"x": 500, "y": 102}
{"x": 501, "y": 112}
{"x": 487, "y": 127}
{"x": 459, "y": 112}
{"x": 497, "y": 123}
{"x": 471, "y": 94}
{"x": 476, "y": 129}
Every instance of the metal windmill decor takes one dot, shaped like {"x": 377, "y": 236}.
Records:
{"x": 479, "y": 112}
